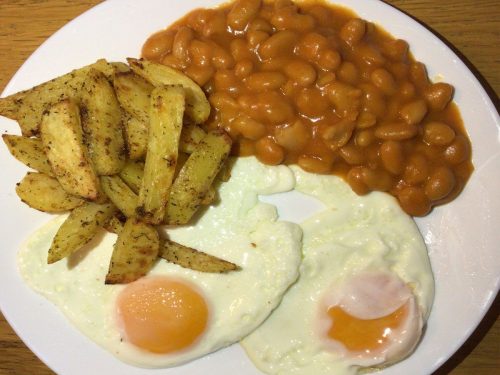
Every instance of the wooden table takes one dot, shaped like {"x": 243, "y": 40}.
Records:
{"x": 471, "y": 26}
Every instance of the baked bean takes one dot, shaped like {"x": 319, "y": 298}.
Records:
{"x": 396, "y": 49}
{"x": 384, "y": 81}
{"x": 355, "y": 180}
{"x": 345, "y": 98}
{"x": 180, "y": 46}
{"x": 249, "y": 128}
{"x": 292, "y": 137}
{"x": 262, "y": 81}
{"x": 395, "y": 131}
{"x": 441, "y": 182}
{"x": 226, "y": 80}
{"x": 289, "y": 88}
{"x": 244, "y": 147}
{"x": 314, "y": 164}
{"x": 301, "y": 72}
{"x": 221, "y": 59}
{"x": 406, "y": 91}
{"x": 414, "y": 201}
{"x": 392, "y": 156}
{"x": 366, "y": 120}
{"x": 353, "y": 31}
{"x": 413, "y": 112}
{"x": 239, "y": 50}
{"x": 364, "y": 138}
{"x": 200, "y": 74}
{"x": 157, "y": 45}
{"x": 438, "y": 95}
{"x": 287, "y": 18}
{"x": 268, "y": 151}
{"x": 377, "y": 179}
{"x": 256, "y": 37}
{"x": 418, "y": 75}
{"x": 368, "y": 54}
{"x": 215, "y": 25}
{"x": 337, "y": 135}
{"x": 438, "y": 134}
{"x": 222, "y": 100}
{"x": 280, "y": 43}
{"x": 261, "y": 25}
{"x": 373, "y": 100}
{"x": 242, "y": 12}
{"x": 458, "y": 151}
{"x": 200, "y": 52}
{"x": 416, "y": 170}
{"x": 311, "y": 102}
{"x": 243, "y": 68}
{"x": 173, "y": 62}
{"x": 348, "y": 73}
{"x": 352, "y": 154}
{"x": 271, "y": 107}
{"x": 325, "y": 78}
{"x": 329, "y": 59}
{"x": 321, "y": 14}
{"x": 310, "y": 45}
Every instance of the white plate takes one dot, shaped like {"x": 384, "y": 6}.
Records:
{"x": 462, "y": 237}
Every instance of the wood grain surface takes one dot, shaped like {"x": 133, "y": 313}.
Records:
{"x": 471, "y": 27}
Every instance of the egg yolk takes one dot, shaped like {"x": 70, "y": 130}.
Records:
{"x": 162, "y": 315}
{"x": 364, "y": 335}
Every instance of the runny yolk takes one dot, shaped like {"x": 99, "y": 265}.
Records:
{"x": 360, "y": 334}
{"x": 161, "y": 315}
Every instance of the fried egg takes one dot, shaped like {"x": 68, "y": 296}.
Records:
{"x": 364, "y": 292}
{"x": 174, "y": 314}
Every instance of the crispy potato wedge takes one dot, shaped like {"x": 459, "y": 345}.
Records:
{"x": 120, "y": 194}
{"x": 210, "y": 197}
{"x": 191, "y": 136}
{"x": 114, "y": 224}
{"x": 136, "y": 136}
{"x": 109, "y": 69}
{"x": 9, "y": 106}
{"x": 102, "y": 124}
{"x": 62, "y": 139}
{"x": 197, "y": 105}
{"x": 79, "y": 228}
{"x": 166, "y": 113}
{"x": 196, "y": 176}
{"x": 132, "y": 174}
{"x": 134, "y": 253}
{"x": 188, "y": 257}
{"x": 45, "y": 193}
{"x": 28, "y": 151}
{"x": 133, "y": 93}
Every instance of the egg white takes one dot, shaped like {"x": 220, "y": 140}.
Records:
{"x": 351, "y": 235}
{"x": 239, "y": 229}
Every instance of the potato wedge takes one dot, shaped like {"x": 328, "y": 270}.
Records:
{"x": 114, "y": 224}
{"x": 133, "y": 93}
{"x": 120, "y": 194}
{"x": 196, "y": 176}
{"x": 62, "y": 139}
{"x": 9, "y": 106}
{"x": 134, "y": 253}
{"x": 191, "y": 136}
{"x": 45, "y": 193}
{"x": 102, "y": 124}
{"x": 79, "y": 228}
{"x": 132, "y": 174}
{"x": 197, "y": 105}
{"x": 188, "y": 257}
{"x": 136, "y": 137}
{"x": 28, "y": 151}
{"x": 166, "y": 113}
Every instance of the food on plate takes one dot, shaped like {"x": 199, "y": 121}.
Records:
{"x": 240, "y": 229}
{"x": 165, "y": 124}
{"x": 364, "y": 292}
{"x": 134, "y": 253}
{"x": 312, "y": 84}
{"x": 45, "y": 193}
{"x": 28, "y": 151}
{"x": 193, "y": 259}
{"x": 64, "y": 144}
{"x": 86, "y": 121}
{"x": 79, "y": 228}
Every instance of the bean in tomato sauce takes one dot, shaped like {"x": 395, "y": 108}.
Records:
{"x": 313, "y": 84}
